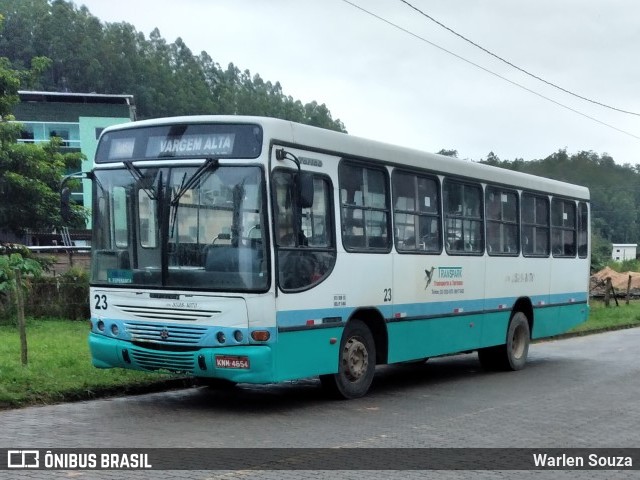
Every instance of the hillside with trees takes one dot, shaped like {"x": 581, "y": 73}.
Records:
{"x": 165, "y": 78}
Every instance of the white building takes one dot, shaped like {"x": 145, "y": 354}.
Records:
{"x": 624, "y": 251}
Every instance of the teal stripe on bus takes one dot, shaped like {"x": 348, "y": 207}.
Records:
{"x": 425, "y": 310}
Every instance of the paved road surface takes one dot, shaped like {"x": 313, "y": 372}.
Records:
{"x": 580, "y": 392}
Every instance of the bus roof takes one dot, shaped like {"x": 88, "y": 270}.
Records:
{"x": 332, "y": 142}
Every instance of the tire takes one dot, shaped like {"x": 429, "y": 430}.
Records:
{"x": 513, "y": 354}
{"x": 356, "y": 363}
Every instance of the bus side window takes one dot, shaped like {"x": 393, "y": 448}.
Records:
{"x": 463, "y": 217}
{"x": 583, "y": 230}
{"x": 364, "y": 202}
{"x": 563, "y": 228}
{"x": 502, "y": 221}
{"x": 416, "y": 212}
{"x": 535, "y": 225}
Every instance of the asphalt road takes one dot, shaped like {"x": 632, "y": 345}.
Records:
{"x": 581, "y": 392}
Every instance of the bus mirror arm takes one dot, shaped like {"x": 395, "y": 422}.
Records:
{"x": 303, "y": 180}
{"x": 65, "y": 194}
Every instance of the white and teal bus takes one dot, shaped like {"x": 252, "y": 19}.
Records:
{"x": 256, "y": 250}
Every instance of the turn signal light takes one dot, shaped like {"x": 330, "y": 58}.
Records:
{"x": 260, "y": 335}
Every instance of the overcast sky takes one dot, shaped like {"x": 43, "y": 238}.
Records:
{"x": 386, "y": 84}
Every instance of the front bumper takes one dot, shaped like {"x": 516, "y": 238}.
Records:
{"x": 114, "y": 353}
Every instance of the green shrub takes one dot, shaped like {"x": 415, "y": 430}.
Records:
{"x": 624, "y": 266}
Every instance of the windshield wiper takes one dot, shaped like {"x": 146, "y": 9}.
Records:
{"x": 139, "y": 177}
{"x": 211, "y": 164}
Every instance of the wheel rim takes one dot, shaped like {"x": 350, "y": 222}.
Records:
{"x": 518, "y": 342}
{"x": 355, "y": 359}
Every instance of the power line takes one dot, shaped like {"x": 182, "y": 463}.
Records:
{"x": 515, "y": 66}
{"x": 388, "y": 22}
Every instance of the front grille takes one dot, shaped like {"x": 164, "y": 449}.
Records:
{"x": 175, "y": 362}
{"x": 170, "y": 335}
{"x": 167, "y": 314}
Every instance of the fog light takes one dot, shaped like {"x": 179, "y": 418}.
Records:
{"x": 101, "y": 325}
{"x": 114, "y": 329}
{"x": 260, "y": 335}
{"x": 220, "y": 337}
{"x": 238, "y": 335}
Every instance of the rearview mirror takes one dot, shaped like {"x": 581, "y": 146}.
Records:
{"x": 305, "y": 189}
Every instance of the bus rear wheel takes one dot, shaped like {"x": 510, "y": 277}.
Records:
{"x": 513, "y": 354}
{"x": 356, "y": 363}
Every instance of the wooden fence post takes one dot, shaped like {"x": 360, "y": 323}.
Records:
{"x": 628, "y": 289}
{"x": 607, "y": 291}
{"x": 21, "y": 322}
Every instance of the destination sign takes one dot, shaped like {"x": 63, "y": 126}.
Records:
{"x": 122, "y": 148}
{"x": 191, "y": 145}
{"x": 176, "y": 141}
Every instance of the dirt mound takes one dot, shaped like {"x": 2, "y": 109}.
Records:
{"x": 618, "y": 280}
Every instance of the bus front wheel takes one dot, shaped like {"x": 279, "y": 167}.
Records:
{"x": 356, "y": 363}
{"x": 513, "y": 354}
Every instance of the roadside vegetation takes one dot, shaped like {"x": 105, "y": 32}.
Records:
{"x": 603, "y": 318}
{"x": 60, "y": 368}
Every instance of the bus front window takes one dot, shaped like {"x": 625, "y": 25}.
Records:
{"x": 151, "y": 230}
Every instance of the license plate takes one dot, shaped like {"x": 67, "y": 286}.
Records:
{"x": 229, "y": 361}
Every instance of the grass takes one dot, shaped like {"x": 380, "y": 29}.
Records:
{"x": 60, "y": 369}
{"x": 603, "y": 318}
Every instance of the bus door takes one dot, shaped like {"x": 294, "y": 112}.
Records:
{"x": 305, "y": 258}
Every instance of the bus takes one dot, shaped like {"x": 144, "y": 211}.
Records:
{"x": 256, "y": 250}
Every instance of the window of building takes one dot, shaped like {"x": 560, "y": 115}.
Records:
{"x": 26, "y": 134}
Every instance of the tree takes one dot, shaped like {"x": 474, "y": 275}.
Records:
{"x": 29, "y": 174}
{"x": 30, "y": 178}
{"x": 448, "y": 153}
{"x": 165, "y": 78}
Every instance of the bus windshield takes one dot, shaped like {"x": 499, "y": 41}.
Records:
{"x": 182, "y": 227}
